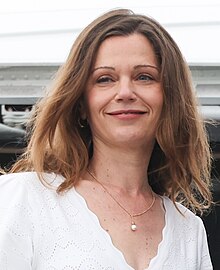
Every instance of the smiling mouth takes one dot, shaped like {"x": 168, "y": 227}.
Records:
{"x": 127, "y": 112}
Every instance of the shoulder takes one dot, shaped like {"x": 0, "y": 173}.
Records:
{"x": 13, "y": 186}
{"x": 184, "y": 239}
{"x": 180, "y": 214}
{"x": 185, "y": 225}
{"x": 22, "y": 179}
{"x": 16, "y": 179}
{"x": 21, "y": 186}
{"x": 23, "y": 196}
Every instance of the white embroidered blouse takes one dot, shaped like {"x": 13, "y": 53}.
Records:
{"x": 41, "y": 230}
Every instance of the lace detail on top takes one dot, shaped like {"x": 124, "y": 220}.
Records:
{"x": 41, "y": 230}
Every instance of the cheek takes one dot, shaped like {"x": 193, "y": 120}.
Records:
{"x": 93, "y": 108}
{"x": 158, "y": 97}
{"x": 90, "y": 103}
{"x": 155, "y": 99}
{"x": 160, "y": 103}
{"x": 97, "y": 101}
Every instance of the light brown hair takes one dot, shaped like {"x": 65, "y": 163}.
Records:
{"x": 180, "y": 162}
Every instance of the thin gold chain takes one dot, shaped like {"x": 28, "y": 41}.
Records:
{"x": 119, "y": 204}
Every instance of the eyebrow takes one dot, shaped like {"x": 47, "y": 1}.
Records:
{"x": 135, "y": 67}
{"x": 150, "y": 66}
{"x": 103, "y": 67}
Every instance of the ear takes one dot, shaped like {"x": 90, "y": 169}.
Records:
{"x": 82, "y": 109}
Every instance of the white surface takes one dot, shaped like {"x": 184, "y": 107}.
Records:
{"x": 43, "y": 30}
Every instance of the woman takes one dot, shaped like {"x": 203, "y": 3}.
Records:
{"x": 116, "y": 145}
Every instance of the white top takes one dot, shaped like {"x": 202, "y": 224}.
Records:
{"x": 41, "y": 230}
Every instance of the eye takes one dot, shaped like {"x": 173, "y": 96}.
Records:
{"x": 144, "y": 77}
{"x": 104, "y": 79}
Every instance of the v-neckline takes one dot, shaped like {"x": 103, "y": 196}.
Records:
{"x": 161, "y": 246}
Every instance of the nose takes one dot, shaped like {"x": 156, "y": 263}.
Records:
{"x": 125, "y": 91}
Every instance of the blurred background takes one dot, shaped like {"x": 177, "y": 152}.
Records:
{"x": 35, "y": 39}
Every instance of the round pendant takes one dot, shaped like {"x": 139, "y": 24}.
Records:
{"x": 133, "y": 227}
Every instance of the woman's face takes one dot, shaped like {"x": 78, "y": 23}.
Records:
{"x": 124, "y": 94}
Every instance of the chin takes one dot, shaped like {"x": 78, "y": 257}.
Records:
{"x": 133, "y": 139}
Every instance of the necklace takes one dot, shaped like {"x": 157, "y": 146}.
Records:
{"x": 133, "y": 225}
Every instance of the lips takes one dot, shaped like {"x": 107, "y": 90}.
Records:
{"x": 126, "y": 112}
{"x": 127, "y": 115}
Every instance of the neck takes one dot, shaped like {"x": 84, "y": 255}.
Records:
{"x": 122, "y": 169}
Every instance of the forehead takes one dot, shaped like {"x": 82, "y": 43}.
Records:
{"x": 131, "y": 48}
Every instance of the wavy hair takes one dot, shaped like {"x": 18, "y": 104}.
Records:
{"x": 180, "y": 162}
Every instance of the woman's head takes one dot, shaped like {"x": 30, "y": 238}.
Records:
{"x": 60, "y": 144}
{"x": 73, "y": 76}
{"x": 123, "y": 96}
